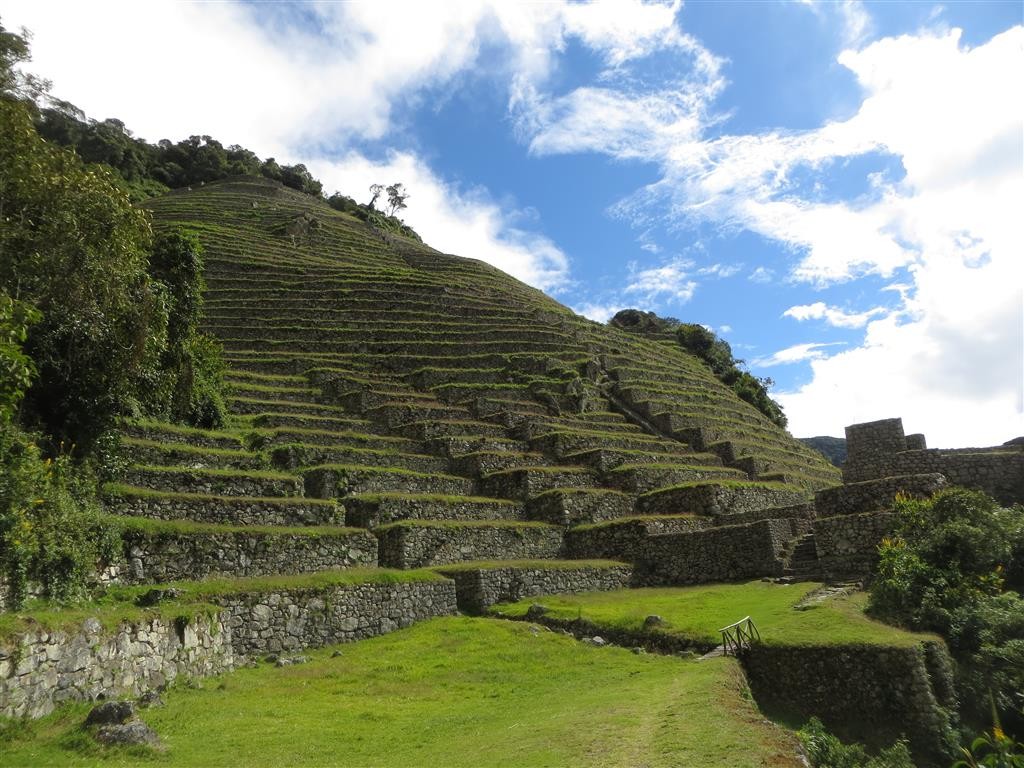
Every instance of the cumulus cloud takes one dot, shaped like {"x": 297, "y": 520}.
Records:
{"x": 797, "y": 353}
{"x": 834, "y": 316}
{"x": 286, "y": 87}
{"x": 949, "y": 229}
{"x": 672, "y": 279}
{"x": 464, "y": 222}
{"x": 598, "y": 312}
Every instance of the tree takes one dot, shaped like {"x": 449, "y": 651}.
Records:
{"x": 73, "y": 247}
{"x": 376, "y": 190}
{"x": 396, "y": 198}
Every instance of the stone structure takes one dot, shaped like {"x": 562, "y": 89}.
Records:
{"x": 715, "y": 554}
{"x": 879, "y": 449}
{"x": 875, "y": 495}
{"x": 624, "y": 540}
{"x": 40, "y": 669}
{"x": 415, "y": 546}
{"x": 892, "y": 692}
{"x": 480, "y": 588}
{"x": 157, "y": 557}
{"x": 848, "y": 544}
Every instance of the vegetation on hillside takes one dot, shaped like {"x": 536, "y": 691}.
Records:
{"x": 714, "y": 352}
{"x": 98, "y": 319}
{"x": 955, "y": 566}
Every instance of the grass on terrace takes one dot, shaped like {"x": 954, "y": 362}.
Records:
{"x": 448, "y": 692}
{"x": 699, "y": 612}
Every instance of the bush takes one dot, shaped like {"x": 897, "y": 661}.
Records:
{"x": 944, "y": 570}
{"x": 52, "y": 531}
{"x": 826, "y": 751}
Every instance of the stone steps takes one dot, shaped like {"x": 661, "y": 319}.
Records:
{"x": 213, "y": 482}
{"x": 269, "y": 439}
{"x": 607, "y": 459}
{"x": 577, "y": 506}
{"x": 716, "y": 498}
{"x": 480, "y": 463}
{"x": 170, "y": 433}
{"x": 180, "y": 454}
{"x": 260, "y": 405}
{"x": 458, "y": 445}
{"x": 338, "y": 480}
{"x": 479, "y": 585}
{"x": 416, "y": 544}
{"x": 648, "y": 477}
{"x": 168, "y": 551}
{"x": 434, "y": 428}
{"x": 373, "y": 510}
{"x": 233, "y": 510}
{"x": 394, "y": 415}
{"x": 309, "y": 421}
{"x": 295, "y": 455}
{"x": 562, "y": 444}
{"x": 525, "y": 482}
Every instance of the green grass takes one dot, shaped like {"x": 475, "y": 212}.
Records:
{"x": 428, "y": 497}
{"x": 185, "y": 448}
{"x": 699, "y": 612}
{"x": 453, "y": 692}
{"x": 255, "y": 474}
{"x": 157, "y": 527}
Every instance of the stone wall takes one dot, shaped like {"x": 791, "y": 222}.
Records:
{"x": 848, "y": 544}
{"x": 231, "y": 511}
{"x": 415, "y": 546}
{"x": 480, "y": 588}
{"x": 40, "y": 669}
{"x": 713, "y": 499}
{"x": 624, "y": 540}
{"x": 290, "y": 620}
{"x": 879, "y": 449}
{"x": 875, "y": 495}
{"x": 715, "y": 554}
{"x": 171, "y": 556}
{"x": 868, "y": 445}
{"x": 887, "y": 692}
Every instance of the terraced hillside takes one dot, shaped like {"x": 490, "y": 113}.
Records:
{"x": 395, "y": 406}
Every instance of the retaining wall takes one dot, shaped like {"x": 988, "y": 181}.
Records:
{"x": 875, "y": 495}
{"x": 40, "y": 669}
{"x": 887, "y": 692}
{"x": 715, "y": 554}
{"x": 848, "y": 544}
{"x": 480, "y": 588}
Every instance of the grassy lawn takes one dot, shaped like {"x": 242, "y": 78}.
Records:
{"x": 448, "y": 692}
{"x": 699, "y": 612}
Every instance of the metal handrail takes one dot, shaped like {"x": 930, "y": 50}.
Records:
{"x": 739, "y": 636}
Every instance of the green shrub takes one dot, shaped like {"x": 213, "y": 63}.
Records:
{"x": 826, "y": 751}
{"x": 945, "y": 570}
{"x": 52, "y": 531}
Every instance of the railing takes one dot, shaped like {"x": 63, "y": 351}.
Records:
{"x": 739, "y": 636}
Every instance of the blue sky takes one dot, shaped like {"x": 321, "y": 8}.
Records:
{"x": 833, "y": 187}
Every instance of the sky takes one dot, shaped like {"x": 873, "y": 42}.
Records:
{"x": 835, "y": 188}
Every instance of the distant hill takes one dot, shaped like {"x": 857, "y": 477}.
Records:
{"x": 833, "y": 448}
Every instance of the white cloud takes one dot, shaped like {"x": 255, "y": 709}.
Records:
{"x": 832, "y": 315}
{"x": 761, "y": 275}
{"x": 720, "y": 270}
{"x": 467, "y": 223}
{"x": 673, "y": 279}
{"x": 797, "y": 353}
{"x": 600, "y": 313}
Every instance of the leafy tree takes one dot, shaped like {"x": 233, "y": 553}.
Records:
{"x": 827, "y": 751}
{"x": 396, "y": 198}
{"x": 73, "y": 246}
{"x": 951, "y": 567}
{"x": 16, "y": 368}
{"x": 376, "y": 190}
{"x": 191, "y": 379}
